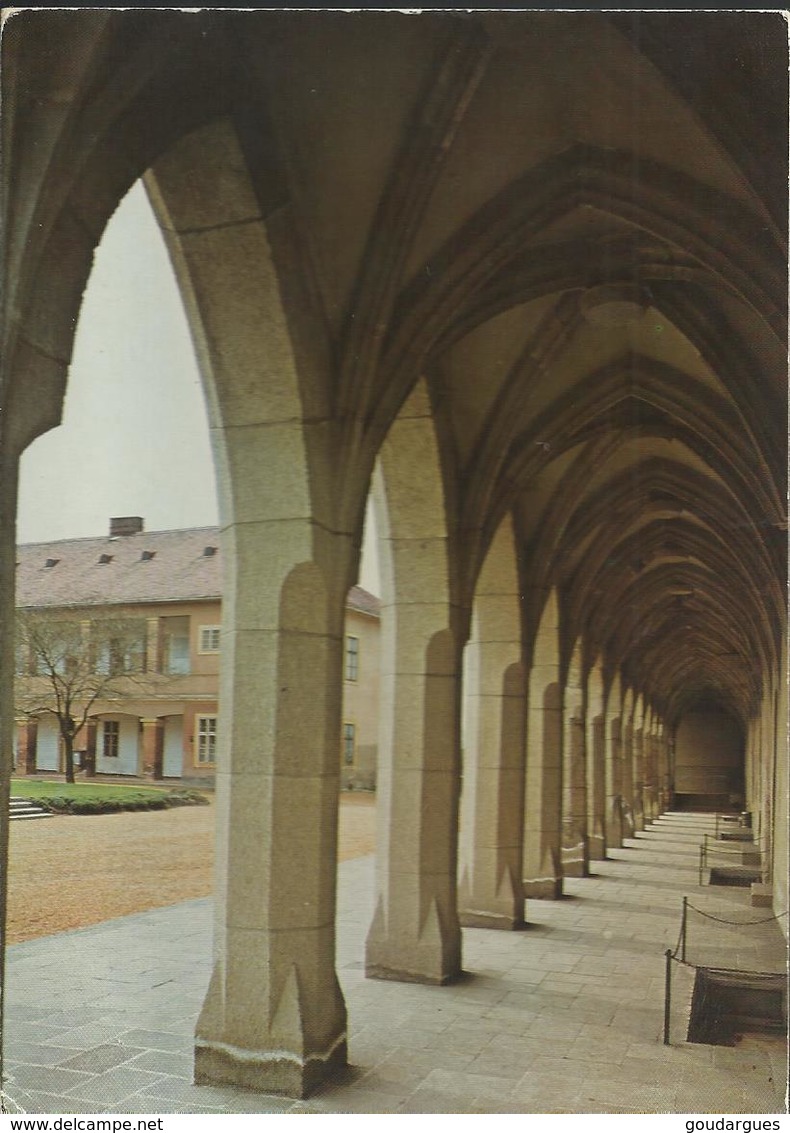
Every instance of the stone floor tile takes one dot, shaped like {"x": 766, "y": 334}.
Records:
{"x": 41, "y": 1102}
{"x": 47, "y": 1079}
{"x": 166, "y": 1062}
{"x": 430, "y": 1101}
{"x": 159, "y": 1040}
{"x": 469, "y": 1085}
{"x": 100, "y": 1058}
{"x": 36, "y": 1054}
{"x": 112, "y": 1087}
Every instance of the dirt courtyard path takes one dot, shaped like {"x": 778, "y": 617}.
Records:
{"x": 76, "y": 870}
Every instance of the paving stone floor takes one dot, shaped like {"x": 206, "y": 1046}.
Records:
{"x": 563, "y": 1017}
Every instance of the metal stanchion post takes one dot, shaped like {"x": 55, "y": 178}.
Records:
{"x": 683, "y": 930}
{"x": 701, "y": 851}
{"x": 667, "y": 994}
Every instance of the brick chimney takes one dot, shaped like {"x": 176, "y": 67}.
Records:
{"x": 125, "y": 525}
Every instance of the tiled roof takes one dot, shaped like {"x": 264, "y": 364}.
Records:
{"x": 176, "y": 569}
{"x": 363, "y": 601}
{"x": 153, "y": 566}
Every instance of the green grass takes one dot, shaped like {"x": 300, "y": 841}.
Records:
{"x": 99, "y": 798}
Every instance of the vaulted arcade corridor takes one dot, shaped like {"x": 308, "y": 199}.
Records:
{"x": 522, "y": 277}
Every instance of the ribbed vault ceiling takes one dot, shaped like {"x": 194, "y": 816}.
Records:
{"x": 567, "y": 223}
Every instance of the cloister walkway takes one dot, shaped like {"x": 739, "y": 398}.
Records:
{"x": 565, "y": 1016}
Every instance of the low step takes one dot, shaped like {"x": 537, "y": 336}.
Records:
{"x": 762, "y": 895}
{"x": 740, "y": 876}
{"x": 24, "y": 809}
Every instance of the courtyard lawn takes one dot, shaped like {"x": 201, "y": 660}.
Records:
{"x": 65, "y": 874}
{"x": 101, "y": 798}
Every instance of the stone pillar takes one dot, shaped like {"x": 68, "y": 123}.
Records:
{"x": 637, "y": 755}
{"x": 661, "y": 767}
{"x": 415, "y": 934}
{"x": 543, "y": 790}
{"x": 27, "y": 738}
{"x": 490, "y": 893}
{"x": 647, "y": 778}
{"x": 274, "y": 1018}
{"x": 669, "y": 754}
{"x": 614, "y": 766}
{"x": 651, "y": 772}
{"x": 152, "y": 748}
{"x": 627, "y": 737}
{"x": 575, "y": 849}
{"x": 596, "y": 748}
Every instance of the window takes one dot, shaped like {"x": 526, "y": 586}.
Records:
{"x": 206, "y": 739}
{"x": 176, "y": 645}
{"x": 352, "y": 658}
{"x": 209, "y": 639}
{"x": 110, "y": 736}
{"x": 349, "y": 743}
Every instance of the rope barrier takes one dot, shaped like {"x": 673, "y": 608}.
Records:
{"x": 721, "y": 920}
{"x": 680, "y": 941}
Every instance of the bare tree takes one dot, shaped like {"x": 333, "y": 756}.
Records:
{"x": 65, "y": 665}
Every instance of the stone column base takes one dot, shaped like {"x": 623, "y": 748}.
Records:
{"x": 597, "y": 848}
{"x": 575, "y": 867}
{"x": 268, "y": 1072}
{"x": 400, "y": 975}
{"x": 432, "y": 957}
{"x": 544, "y": 888}
{"x": 470, "y": 919}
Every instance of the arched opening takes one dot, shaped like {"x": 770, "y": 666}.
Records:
{"x": 709, "y": 760}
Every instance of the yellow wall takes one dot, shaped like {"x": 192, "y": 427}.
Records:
{"x": 361, "y": 701}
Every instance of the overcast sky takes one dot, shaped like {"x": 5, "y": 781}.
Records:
{"x": 134, "y": 437}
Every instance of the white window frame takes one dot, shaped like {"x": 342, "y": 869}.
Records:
{"x": 352, "y": 658}
{"x": 177, "y": 648}
{"x": 111, "y": 731}
{"x": 352, "y": 737}
{"x": 207, "y": 636}
{"x": 205, "y": 739}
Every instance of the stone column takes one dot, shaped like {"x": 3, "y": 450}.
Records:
{"x": 627, "y": 737}
{"x": 647, "y": 777}
{"x": 491, "y": 893}
{"x": 651, "y": 772}
{"x": 661, "y": 767}
{"x": 152, "y": 748}
{"x": 596, "y": 747}
{"x": 614, "y": 766}
{"x": 274, "y": 1018}
{"x": 543, "y": 792}
{"x": 637, "y": 755}
{"x": 575, "y": 849}
{"x": 415, "y": 934}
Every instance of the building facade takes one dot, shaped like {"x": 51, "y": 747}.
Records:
{"x": 157, "y": 595}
